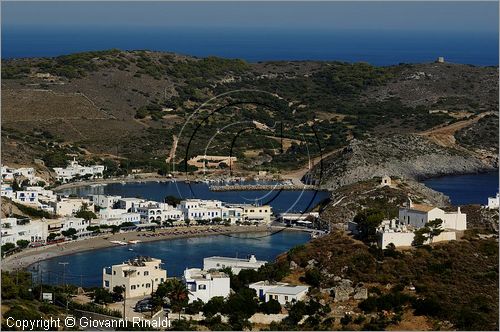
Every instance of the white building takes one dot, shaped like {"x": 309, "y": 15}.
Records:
{"x": 299, "y": 219}
{"x": 105, "y": 201}
{"x": 493, "y": 202}
{"x": 418, "y": 215}
{"x": 14, "y": 229}
{"x": 26, "y": 197}
{"x": 204, "y": 285}
{"x": 27, "y": 172}
{"x": 7, "y": 174}
{"x": 45, "y": 195}
{"x": 67, "y": 206}
{"x": 7, "y": 191}
{"x": 140, "y": 276}
{"x": 281, "y": 292}
{"x": 200, "y": 209}
{"x": 158, "y": 212}
{"x": 402, "y": 235}
{"x": 255, "y": 213}
{"x": 79, "y": 224}
{"x": 236, "y": 264}
{"x": 75, "y": 170}
{"x": 116, "y": 217}
{"x": 129, "y": 203}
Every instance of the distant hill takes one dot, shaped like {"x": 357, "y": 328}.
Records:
{"x": 129, "y": 106}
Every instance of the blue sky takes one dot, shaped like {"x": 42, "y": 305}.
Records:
{"x": 411, "y": 16}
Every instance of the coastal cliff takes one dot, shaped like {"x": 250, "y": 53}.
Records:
{"x": 405, "y": 156}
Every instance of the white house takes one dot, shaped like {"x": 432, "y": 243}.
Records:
{"x": 7, "y": 174}
{"x": 129, "y": 203}
{"x": 418, "y": 215}
{"x": 67, "y": 206}
{"x": 45, "y": 195}
{"x": 140, "y": 276}
{"x": 402, "y": 235}
{"x": 493, "y": 202}
{"x": 116, "y": 217}
{"x": 105, "y": 201}
{"x": 236, "y": 264}
{"x": 204, "y": 285}
{"x": 27, "y": 172}
{"x": 159, "y": 212}
{"x": 281, "y": 292}
{"x": 79, "y": 224}
{"x": 7, "y": 191}
{"x": 26, "y": 197}
{"x": 200, "y": 209}
{"x": 14, "y": 229}
{"x": 74, "y": 170}
{"x": 256, "y": 213}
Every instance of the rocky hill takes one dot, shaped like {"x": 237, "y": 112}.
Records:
{"x": 129, "y": 106}
{"x": 404, "y": 156}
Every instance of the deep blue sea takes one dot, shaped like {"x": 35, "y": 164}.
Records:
{"x": 376, "y": 47}
{"x": 468, "y": 188}
{"x": 177, "y": 254}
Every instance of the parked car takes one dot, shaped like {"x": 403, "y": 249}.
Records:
{"x": 143, "y": 305}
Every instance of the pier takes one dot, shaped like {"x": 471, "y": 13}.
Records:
{"x": 246, "y": 187}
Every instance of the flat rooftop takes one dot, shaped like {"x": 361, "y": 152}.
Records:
{"x": 288, "y": 290}
{"x": 233, "y": 259}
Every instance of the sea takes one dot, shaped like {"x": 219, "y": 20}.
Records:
{"x": 383, "y": 47}
{"x": 281, "y": 201}
{"x": 85, "y": 268}
{"x": 466, "y": 188}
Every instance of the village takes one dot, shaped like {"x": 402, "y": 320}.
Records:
{"x": 134, "y": 287}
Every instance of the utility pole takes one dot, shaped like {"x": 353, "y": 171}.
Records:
{"x": 64, "y": 273}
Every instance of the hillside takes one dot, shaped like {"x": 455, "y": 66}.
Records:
{"x": 129, "y": 107}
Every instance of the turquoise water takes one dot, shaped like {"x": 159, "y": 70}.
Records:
{"x": 466, "y": 189}
{"x": 86, "y": 268}
{"x": 293, "y": 201}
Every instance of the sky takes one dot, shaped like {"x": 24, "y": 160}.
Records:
{"x": 473, "y": 16}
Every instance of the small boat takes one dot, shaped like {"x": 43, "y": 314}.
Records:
{"x": 118, "y": 242}
{"x": 134, "y": 241}
{"x": 130, "y": 249}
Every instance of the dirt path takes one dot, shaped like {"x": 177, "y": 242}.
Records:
{"x": 445, "y": 136}
{"x": 297, "y": 175}
{"x": 171, "y": 155}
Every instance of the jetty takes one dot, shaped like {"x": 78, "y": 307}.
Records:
{"x": 247, "y": 187}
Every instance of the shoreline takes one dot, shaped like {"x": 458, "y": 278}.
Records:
{"x": 159, "y": 178}
{"x": 28, "y": 257}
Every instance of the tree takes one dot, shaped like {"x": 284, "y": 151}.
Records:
{"x": 430, "y": 230}
{"x": 213, "y": 306}
{"x": 69, "y": 233}
{"x": 368, "y": 221}
{"x": 6, "y": 247}
{"x": 172, "y": 200}
{"x": 313, "y": 277}
{"x": 15, "y": 186}
{"x": 271, "y": 307}
{"x": 85, "y": 213}
{"x": 118, "y": 293}
{"x": 435, "y": 228}
{"x": 175, "y": 291}
{"x": 22, "y": 243}
{"x": 52, "y": 236}
{"x": 102, "y": 296}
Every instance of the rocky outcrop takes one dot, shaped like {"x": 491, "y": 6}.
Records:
{"x": 404, "y": 156}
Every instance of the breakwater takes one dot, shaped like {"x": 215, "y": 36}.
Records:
{"x": 268, "y": 187}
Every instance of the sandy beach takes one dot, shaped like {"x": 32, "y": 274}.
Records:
{"x": 27, "y": 257}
